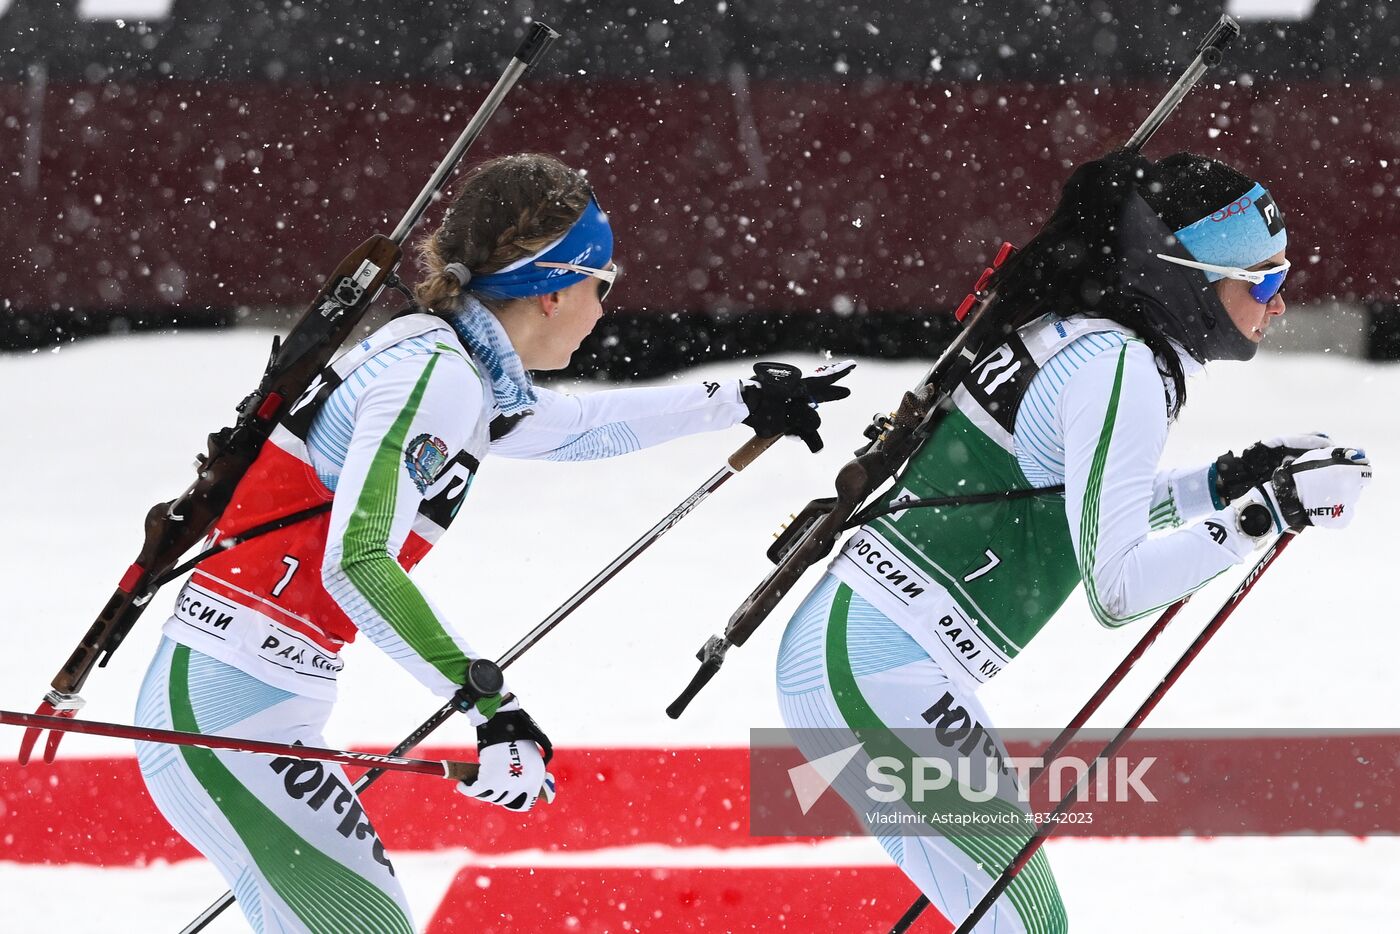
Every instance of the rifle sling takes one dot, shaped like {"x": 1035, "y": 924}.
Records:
{"x": 234, "y": 541}
{"x": 877, "y": 510}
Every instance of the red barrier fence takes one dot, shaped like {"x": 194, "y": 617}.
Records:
{"x": 96, "y": 811}
{"x": 853, "y": 900}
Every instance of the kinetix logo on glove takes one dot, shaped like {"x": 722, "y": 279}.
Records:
{"x": 1334, "y": 511}
{"x": 517, "y": 768}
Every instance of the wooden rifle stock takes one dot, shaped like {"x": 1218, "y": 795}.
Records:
{"x": 174, "y": 527}
{"x": 813, "y": 532}
{"x": 809, "y": 538}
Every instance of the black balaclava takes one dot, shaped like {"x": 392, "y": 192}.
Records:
{"x": 1096, "y": 255}
{"x": 1178, "y": 298}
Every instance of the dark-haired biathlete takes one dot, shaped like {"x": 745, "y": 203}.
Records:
{"x": 923, "y": 606}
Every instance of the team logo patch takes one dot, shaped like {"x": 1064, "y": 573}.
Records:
{"x": 425, "y": 457}
{"x": 1230, "y": 210}
{"x": 1217, "y": 532}
{"x": 1273, "y": 217}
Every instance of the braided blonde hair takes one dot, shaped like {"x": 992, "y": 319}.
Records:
{"x": 506, "y": 209}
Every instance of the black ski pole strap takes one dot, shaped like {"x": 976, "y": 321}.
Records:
{"x": 234, "y": 541}
{"x": 877, "y": 510}
{"x": 508, "y": 726}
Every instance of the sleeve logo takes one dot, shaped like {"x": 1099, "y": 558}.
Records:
{"x": 425, "y": 457}
{"x": 1268, "y": 210}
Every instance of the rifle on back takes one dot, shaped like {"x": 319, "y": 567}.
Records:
{"x": 174, "y": 527}
{"x": 893, "y": 439}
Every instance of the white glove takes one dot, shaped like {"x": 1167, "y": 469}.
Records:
{"x": 512, "y": 776}
{"x": 1325, "y": 486}
{"x": 1318, "y": 488}
{"x": 512, "y": 752}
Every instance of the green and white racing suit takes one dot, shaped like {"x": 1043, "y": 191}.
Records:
{"x": 924, "y": 605}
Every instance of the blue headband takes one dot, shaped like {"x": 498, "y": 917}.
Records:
{"x": 1244, "y": 232}
{"x": 589, "y": 242}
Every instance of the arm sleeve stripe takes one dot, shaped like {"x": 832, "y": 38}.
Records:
{"x": 367, "y": 564}
{"x": 1089, "y": 516}
{"x": 596, "y": 443}
{"x": 1164, "y": 515}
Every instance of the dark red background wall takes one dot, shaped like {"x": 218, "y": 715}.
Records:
{"x": 777, "y": 157}
{"x": 880, "y": 195}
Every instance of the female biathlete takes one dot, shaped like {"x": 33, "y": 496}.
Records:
{"x": 389, "y": 438}
{"x": 1146, "y": 273}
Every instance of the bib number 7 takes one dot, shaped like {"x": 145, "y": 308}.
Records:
{"x": 292, "y": 565}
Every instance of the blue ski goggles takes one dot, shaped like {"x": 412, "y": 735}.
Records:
{"x": 1264, "y": 283}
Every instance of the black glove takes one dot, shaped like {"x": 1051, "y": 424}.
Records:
{"x": 1236, "y": 475}
{"x": 510, "y": 725}
{"x": 782, "y": 401}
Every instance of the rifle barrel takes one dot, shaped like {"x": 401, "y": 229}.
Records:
{"x": 536, "y": 42}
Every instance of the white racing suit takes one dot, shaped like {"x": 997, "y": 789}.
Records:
{"x": 389, "y": 436}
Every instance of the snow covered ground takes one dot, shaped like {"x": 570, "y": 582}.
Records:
{"x": 97, "y": 432}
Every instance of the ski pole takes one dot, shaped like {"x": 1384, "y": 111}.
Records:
{"x": 745, "y": 455}
{"x": 736, "y": 462}
{"x": 442, "y": 768}
{"x": 1044, "y": 830}
{"x": 1057, "y": 745}
{"x": 426, "y": 728}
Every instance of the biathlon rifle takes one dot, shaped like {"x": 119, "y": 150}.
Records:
{"x": 174, "y": 527}
{"x": 893, "y": 439}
